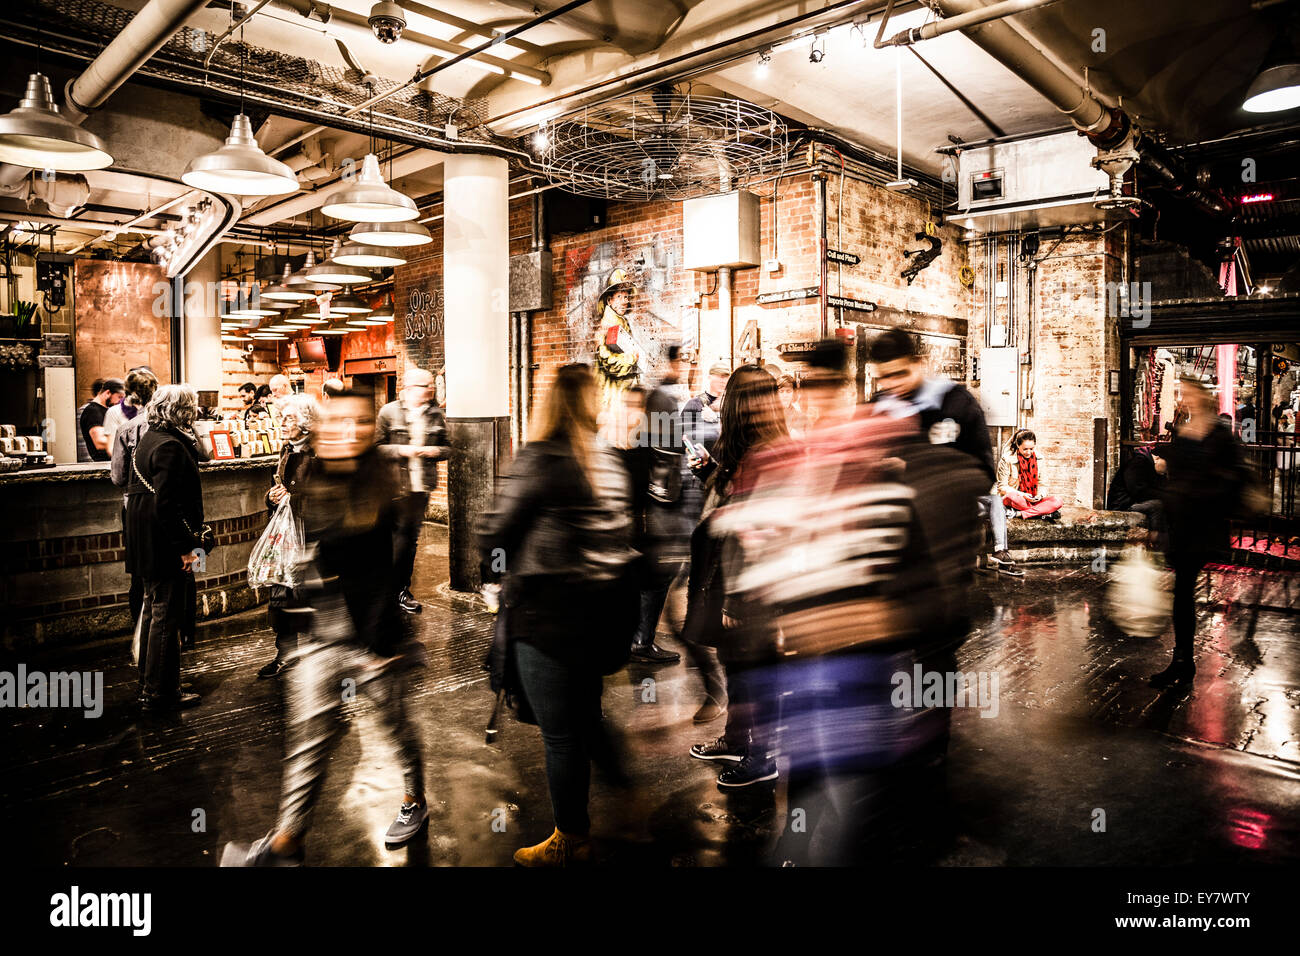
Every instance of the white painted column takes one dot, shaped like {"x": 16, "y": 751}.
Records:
{"x": 476, "y": 285}
{"x": 202, "y": 341}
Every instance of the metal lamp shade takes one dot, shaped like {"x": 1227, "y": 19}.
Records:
{"x": 240, "y": 168}
{"x": 369, "y": 199}
{"x": 1276, "y": 88}
{"x": 282, "y": 292}
{"x": 34, "y": 134}
{"x": 391, "y": 234}
{"x": 336, "y": 273}
{"x": 349, "y": 305}
{"x": 303, "y": 282}
{"x": 367, "y": 256}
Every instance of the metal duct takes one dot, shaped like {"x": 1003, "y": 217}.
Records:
{"x": 1104, "y": 126}
{"x": 148, "y": 30}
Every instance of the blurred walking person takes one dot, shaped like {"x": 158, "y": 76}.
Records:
{"x": 288, "y": 618}
{"x": 164, "y": 529}
{"x": 358, "y": 637}
{"x": 413, "y": 437}
{"x": 752, "y": 425}
{"x": 1206, "y": 475}
{"x": 562, "y": 526}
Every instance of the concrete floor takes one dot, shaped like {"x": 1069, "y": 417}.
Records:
{"x": 1210, "y": 776}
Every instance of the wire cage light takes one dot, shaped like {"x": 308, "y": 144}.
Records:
{"x": 663, "y": 144}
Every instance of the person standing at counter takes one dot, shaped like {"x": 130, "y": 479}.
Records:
{"x": 252, "y": 407}
{"x": 92, "y": 438}
{"x": 412, "y": 433}
{"x": 140, "y": 384}
{"x": 298, "y": 416}
{"x": 134, "y": 403}
{"x": 164, "y": 523}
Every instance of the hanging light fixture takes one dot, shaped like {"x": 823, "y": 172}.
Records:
{"x": 305, "y": 283}
{"x": 240, "y": 168}
{"x": 369, "y": 199}
{"x": 283, "y": 292}
{"x": 349, "y": 304}
{"x": 384, "y": 311}
{"x": 1276, "y": 88}
{"x": 34, "y": 134}
{"x": 335, "y": 273}
{"x": 373, "y": 257}
{"x": 392, "y": 234}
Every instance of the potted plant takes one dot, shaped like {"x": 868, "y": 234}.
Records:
{"x": 26, "y": 325}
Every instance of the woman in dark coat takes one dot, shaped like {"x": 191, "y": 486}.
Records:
{"x": 561, "y": 528}
{"x": 1206, "y": 475}
{"x": 752, "y": 421}
{"x": 164, "y": 520}
{"x": 298, "y": 415}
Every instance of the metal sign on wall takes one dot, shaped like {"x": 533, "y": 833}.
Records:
{"x": 424, "y": 314}
{"x": 853, "y": 305}
{"x": 789, "y": 295}
{"x": 369, "y": 366}
{"x": 845, "y": 258}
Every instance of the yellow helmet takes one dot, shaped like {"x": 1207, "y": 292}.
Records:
{"x": 617, "y": 280}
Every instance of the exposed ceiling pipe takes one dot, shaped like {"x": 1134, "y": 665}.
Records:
{"x": 509, "y": 68}
{"x": 1104, "y": 126}
{"x": 467, "y": 26}
{"x": 936, "y": 28}
{"x": 148, "y": 30}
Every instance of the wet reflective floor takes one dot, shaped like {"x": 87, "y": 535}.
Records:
{"x": 1084, "y": 764}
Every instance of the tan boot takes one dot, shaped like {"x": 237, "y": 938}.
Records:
{"x": 561, "y": 849}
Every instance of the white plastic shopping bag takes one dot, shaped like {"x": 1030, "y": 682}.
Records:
{"x": 276, "y": 556}
{"x": 1137, "y": 600}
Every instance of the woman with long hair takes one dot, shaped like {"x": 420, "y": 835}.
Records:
{"x": 752, "y": 423}
{"x": 1019, "y": 483}
{"x": 561, "y": 528}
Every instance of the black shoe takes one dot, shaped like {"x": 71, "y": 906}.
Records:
{"x": 163, "y": 705}
{"x": 1179, "y": 672}
{"x": 408, "y": 603}
{"x": 275, "y": 668}
{"x": 720, "y": 749}
{"x": 748, "y": 772}
{"x": 1054, "y": 516}
{"x": 654, "y": 654}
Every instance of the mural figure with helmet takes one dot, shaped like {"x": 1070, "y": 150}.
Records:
{"x": 618, "y": 353}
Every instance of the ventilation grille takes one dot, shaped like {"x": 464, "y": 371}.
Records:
{"x": 664, "y": 144}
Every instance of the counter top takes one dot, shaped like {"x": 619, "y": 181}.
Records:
{"x": 98, "y": 470}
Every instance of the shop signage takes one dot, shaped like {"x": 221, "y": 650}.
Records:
{"x": 789, "y": 295}
{"x": 846, "y": 258}
{"x": 423, "y": 315}
{"x": 369, "y": 366}
{"x": 853, "y": 305}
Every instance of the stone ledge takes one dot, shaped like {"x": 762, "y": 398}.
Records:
{"x": 1077, "y": 537}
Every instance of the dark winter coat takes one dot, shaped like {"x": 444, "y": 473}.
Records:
{"x": 566, "y": 554}
{"x": 163, "y": 524}
{"x": 1205, "y": 482}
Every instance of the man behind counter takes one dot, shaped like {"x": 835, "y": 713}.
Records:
{"x": 93, "y": 437}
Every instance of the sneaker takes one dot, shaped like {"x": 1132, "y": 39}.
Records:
{"x": 411, "y": 819}
{"x": 748, "y": 772}
{"x": 274, "y": 668}
{"x": 709, "y": 711}
{"x": 407, "y": 602}
{"x": 1002, "y": 563}
{"x": 259, "y": 853}
{"x": 654, "y": 654}
{"x": 720, "y": 749}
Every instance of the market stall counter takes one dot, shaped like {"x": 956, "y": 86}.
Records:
{"x": 61, "y": 550}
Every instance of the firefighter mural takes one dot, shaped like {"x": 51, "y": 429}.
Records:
{"x": 620, "y": 358}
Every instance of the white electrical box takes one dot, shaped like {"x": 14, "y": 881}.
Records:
{"x": 999, "y": 381}
{"x": 720, "y": 231}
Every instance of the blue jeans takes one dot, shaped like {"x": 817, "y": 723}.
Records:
{"x": 566, "y": 702}
{"x": 997, "y": 512}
